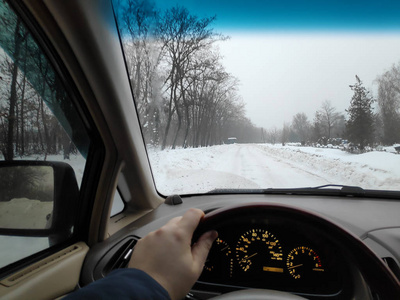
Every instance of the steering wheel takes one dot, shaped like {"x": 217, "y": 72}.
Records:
{"x": 379, "y": 279}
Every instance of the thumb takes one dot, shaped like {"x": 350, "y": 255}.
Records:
{"x": 201, "y": 248}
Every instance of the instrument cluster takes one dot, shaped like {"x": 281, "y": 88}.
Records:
{"x": 277, "y": 256}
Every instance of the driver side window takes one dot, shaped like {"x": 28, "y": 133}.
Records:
{"x": 38, "y": 122}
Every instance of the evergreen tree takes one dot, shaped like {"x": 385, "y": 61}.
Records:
{"x": 360, "y": 125}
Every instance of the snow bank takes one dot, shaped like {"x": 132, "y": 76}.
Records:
{"x": 372, "y": 170}
{"x": 23, "y": 213}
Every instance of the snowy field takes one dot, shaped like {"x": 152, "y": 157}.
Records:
{"x": 200, "y": 170}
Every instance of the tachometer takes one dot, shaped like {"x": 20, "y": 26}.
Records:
{"x": 302, "y": 261}
{"x": 259, "y": 250}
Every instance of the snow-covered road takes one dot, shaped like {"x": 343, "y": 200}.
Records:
{"x": 262, "y": 166}
{"x": 256, "y": 164}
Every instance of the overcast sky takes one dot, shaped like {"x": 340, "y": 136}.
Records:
{"x": 283, "y": 74}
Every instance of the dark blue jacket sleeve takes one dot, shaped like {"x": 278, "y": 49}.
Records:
{"x": 122, "y": 284}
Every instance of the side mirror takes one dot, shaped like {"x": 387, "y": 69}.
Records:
{"x": 38, "y": 199}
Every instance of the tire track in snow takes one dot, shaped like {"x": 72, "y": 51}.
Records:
{"x": 252, "y": 163}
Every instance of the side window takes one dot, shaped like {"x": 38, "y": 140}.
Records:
{"x": 118, "y": 204}
{"x": 38, "y": 122}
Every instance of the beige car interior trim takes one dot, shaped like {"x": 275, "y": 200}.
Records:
{"x": 124, "y": 219}
{"x": 49, "y": 278}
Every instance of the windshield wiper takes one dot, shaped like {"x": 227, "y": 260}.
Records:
{"x": 335, "y": 189}
{"x": 323, "y": 190}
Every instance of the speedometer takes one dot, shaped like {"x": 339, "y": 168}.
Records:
{"x": 259, "y": 250}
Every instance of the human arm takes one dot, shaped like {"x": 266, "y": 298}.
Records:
{"x": 168, "y": 256}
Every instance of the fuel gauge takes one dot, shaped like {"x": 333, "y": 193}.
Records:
{"x": 219, "y": 261}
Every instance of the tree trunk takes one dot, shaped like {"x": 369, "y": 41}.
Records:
{"x": 22, "y": 116}
{"x": 170, "y": 111}
{"x": 45, "y": 129}
{"x": 187, "y": 110}
{"x": 13, "y": 96}
{"x": 178, "y": 113}
{"x": 38, "y": 126}
{"x": 11, "y": 115}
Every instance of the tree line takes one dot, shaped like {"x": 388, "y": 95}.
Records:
{"x": 36, "y": 113}
{"x": 184, "y": 95}
{"x": 368, "y": 121}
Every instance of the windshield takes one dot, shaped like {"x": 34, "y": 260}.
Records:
{"x": 266, "y": 94}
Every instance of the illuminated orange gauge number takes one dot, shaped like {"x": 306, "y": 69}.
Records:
{"x": 257, "y": 248}
{"x": 302, "y": 260}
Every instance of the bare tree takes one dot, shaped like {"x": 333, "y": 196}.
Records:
{"x": 301, "y": 127}
{"x": 273, "y": 135}
{"x": 285, "y": 133}
{"x": 19, "y": 34}
{"x": 137, "y": 21}
{"x": 181, "y": 35}
{"x": 178, "y": 81}
{"x": 389, "y": 104}
{"x": 327, "y": 118}
{"x": 32, "y": 94}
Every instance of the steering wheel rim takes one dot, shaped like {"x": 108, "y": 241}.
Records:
{"x": 377, "y": 275}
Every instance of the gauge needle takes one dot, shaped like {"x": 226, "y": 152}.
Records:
{"x": 246, "y": 258}
{"x": 224, "y": 248}
{"x": 295, "y": 266}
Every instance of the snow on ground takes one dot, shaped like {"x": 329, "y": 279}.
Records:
{"x": 200, "y": 170}
{"x": 26, "y": 214}
{"x": 23, "y": 213}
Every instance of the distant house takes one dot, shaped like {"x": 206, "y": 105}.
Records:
{"x": 231, "y": 140}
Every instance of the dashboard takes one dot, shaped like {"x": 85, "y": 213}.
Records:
{"x": 271, "y": 250}
{"x": 275, "y": 253}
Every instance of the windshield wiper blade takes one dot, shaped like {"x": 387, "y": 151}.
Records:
{"x": 328, "y": 189}
{"x": 344, "y": 190}
{"x": 322, "y": 190}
